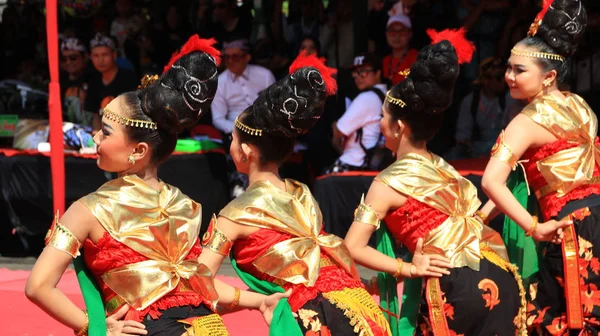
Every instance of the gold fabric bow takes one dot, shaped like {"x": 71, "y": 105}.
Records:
{"x": 294, "y": 212}
{"x": 574, "y": 121}
{"x": 162, "y": 226}
{"x": 440, "y": 186}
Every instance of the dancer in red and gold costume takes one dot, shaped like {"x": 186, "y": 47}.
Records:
{"x": 425, "y": 202}
{"x": 555, "y": 140}
{"x": 275, "y": 229}
{"x": 139, "y": 235}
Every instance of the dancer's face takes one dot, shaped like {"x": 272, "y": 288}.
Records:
{"x": 524, "y": 76}
{"x": 113, "y": 143}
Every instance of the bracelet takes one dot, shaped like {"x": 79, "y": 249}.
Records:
{"x": 481, "y": 215}
{"x": 84, "y": 330}
{"x": 533, "y": 227}
{"x": 399, "y": 266}
{"x": 236, "y": 299}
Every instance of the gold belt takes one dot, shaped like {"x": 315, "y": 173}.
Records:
{"x": 117, "y": 301}
{"x": 547, "y": 189}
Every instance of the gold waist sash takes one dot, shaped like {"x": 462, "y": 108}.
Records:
{"x": 143, "y": 283}
{"x": 548, "y": 189}
{"x": 459, "y": 239}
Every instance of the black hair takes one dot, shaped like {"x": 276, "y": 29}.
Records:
{"x": 283, "y": 111}
{"x": 559, "y": 33}
{"x": 174, "y": 102}
{"x": 314, "y": 40}
{"x": 427, "y": 91}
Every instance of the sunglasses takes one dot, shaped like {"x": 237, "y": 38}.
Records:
{"x": 361, "y": 72}
{"x": 71, "y": 58}
{"x": 233, "y": 57}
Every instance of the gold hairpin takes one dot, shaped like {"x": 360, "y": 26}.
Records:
{"x": 147, "y": 80}
{"x": 110, "y": 115}
{"x": 247, "y": 129}
{"x": 404, "y": 72}
{"x": 395, "y": 101}
{"x": 536, "y": 54}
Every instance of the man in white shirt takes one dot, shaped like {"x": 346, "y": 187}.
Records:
{"x": 358, "y": 131}
{"x": 239, "y": 85}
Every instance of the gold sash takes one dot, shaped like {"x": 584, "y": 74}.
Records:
{"x": 294, "y": 212}
{"x": 162, "y": 226}
{"x": 440, "y": 186}
{"x": 574, "y": 121}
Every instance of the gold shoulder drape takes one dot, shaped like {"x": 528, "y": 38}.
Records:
{"x": 162, "y": 226}
{"x": 574, "y": 121}
{"x": 440, "y": 186}
{"x": 294, "y": 212}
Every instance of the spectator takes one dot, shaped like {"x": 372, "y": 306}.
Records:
{"x": 399, "y": 33}
{"x": 357, "y": 132}
{"x": 310, "y": 45}
{"x": 376, "y": 26}
{"x": 126, "y": 25}
{"x": 110, "y": 80}
{"x": 239, "y": 84}
{"x": 73, "y": 82}
{"x": 484, "y": 112}
{"x": 229, "y": 23}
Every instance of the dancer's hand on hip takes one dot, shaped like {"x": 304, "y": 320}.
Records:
{"x": 116, "y": 326}
{"x": 428, "y": 265}
{"x": 269, "y": 304}
{"x": 551, "y": 231}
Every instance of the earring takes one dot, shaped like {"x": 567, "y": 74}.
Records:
{"x": 244, "y": 159}
{"x": 547, "y": 83}
{"x": 396, "y": 135}
{"x": 131, "y": 159}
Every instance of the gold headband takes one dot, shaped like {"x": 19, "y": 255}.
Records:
{"x": 535, "y": 54}
{"x": 395, "y": 101}
{"x": 247, "y": 129}
{"x": 110, "y": 115}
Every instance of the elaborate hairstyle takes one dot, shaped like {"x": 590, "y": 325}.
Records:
{"x": 554, "y": 35}
{"x": 421, "y": 98}
{"x": 287, "y": 108}
{"x": 175, "y": 100}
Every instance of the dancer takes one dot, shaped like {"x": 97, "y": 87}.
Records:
{"x": 425, "y": 202}
{"x": 274, "y": 230}
{"x": 139, "y": 235}
{"x": 554, "y": 139}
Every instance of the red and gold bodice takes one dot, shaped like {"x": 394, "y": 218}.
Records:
{"x": 147, "y": 258}
{"x": 568, "y": 168}
{"x": 110, "y": 254}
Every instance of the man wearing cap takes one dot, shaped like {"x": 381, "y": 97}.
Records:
{"x": 357, "y": 132}
{"x": 73, "y": 81}
{"x": 398, "y": 34}
{"x": 239, "y": 84}
{"x": 110, "y": 81}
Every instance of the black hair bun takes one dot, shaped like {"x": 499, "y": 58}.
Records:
{"x": 176, "y": 100}
{"x": 430, "y": 85}
{"x": 291, "y": 106}
{"x": 563, "y": 25}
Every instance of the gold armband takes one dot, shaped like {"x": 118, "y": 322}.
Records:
{"x": 215, "y": 240}
{"x": 504, "y": 153}
{"x": 365, "y": 214}
{"x": 62, "y": 239}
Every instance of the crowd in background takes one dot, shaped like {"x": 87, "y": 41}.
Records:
{"x": 106, "y": 47}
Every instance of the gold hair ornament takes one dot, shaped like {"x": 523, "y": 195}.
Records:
{"x": 535, "y": 54}
{"x": 247, "y": 129}
{"x": 395, "y": 101}
{"x": 404, "y": 72}
{"x": 147, "y": 80}
{"x": 110, "y": 115}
